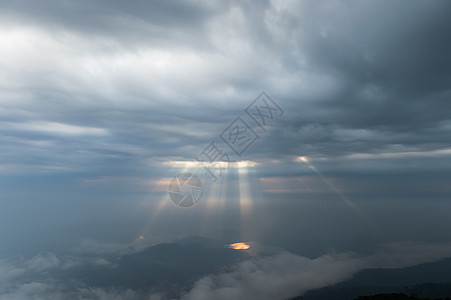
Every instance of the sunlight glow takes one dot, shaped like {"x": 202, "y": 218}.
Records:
{"x": 218, "y": 164}
{"x": 239, "y": 246}
{"x": 345, "y": 199}
{"x": 245, "y": 191}
{"x": 56, "y": 128}
{"x": 303, "y": 158}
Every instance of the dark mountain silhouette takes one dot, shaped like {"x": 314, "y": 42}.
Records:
{"x": 429, "y": 280}
{"x": 167, "y": 266}
{"x": 396, "y": 296}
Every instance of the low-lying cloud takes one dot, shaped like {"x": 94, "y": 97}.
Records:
{"x": 278, "y": 276}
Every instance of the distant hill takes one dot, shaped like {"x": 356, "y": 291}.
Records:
{"x": 395, "y": 296}
{"x": 429, "y": 280}
{"x": 167, "y": 266}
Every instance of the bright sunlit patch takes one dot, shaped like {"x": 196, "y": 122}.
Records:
{"x": 139, "y": 239}
{"x": 239, "y": 246}
{"x": 182, "y": 163}
{"x": 55, "y": 128}
{"x": 403, "y": 154}
{"x": 244, "y": 164}
{"x": 303, "y": 158}
{"x": 159, "y": 185}
{"x": 217, "y": 164}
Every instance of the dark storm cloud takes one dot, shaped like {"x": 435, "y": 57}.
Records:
{"x": 143, "y": 22}
{"x": 355, "y": 77}
{"x": 391, "y": 61}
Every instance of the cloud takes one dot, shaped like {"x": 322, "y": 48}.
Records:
{"x": 96, "y": 248}
{"x": 33, "y": 290}
{"x": 42, "y": 262}
{"x": 9, "y": 271}
{"x": 286, "y": 275}
{"x": 167, "y": 77}
{"x": 276, "y": 277}
{"x": 55, "y": 128}
{"x": 280, "y": 275}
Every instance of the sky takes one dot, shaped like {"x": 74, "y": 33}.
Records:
{"x": 103, "y": 103}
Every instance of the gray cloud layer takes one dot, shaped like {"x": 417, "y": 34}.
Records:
{"x": 161, "y": 79}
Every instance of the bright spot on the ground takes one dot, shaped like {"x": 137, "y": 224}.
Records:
{"x": 140, "y": 237}
{"x": 239, "y": 246}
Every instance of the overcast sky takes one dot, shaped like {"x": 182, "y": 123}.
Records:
{"x": 103, "y": 102}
